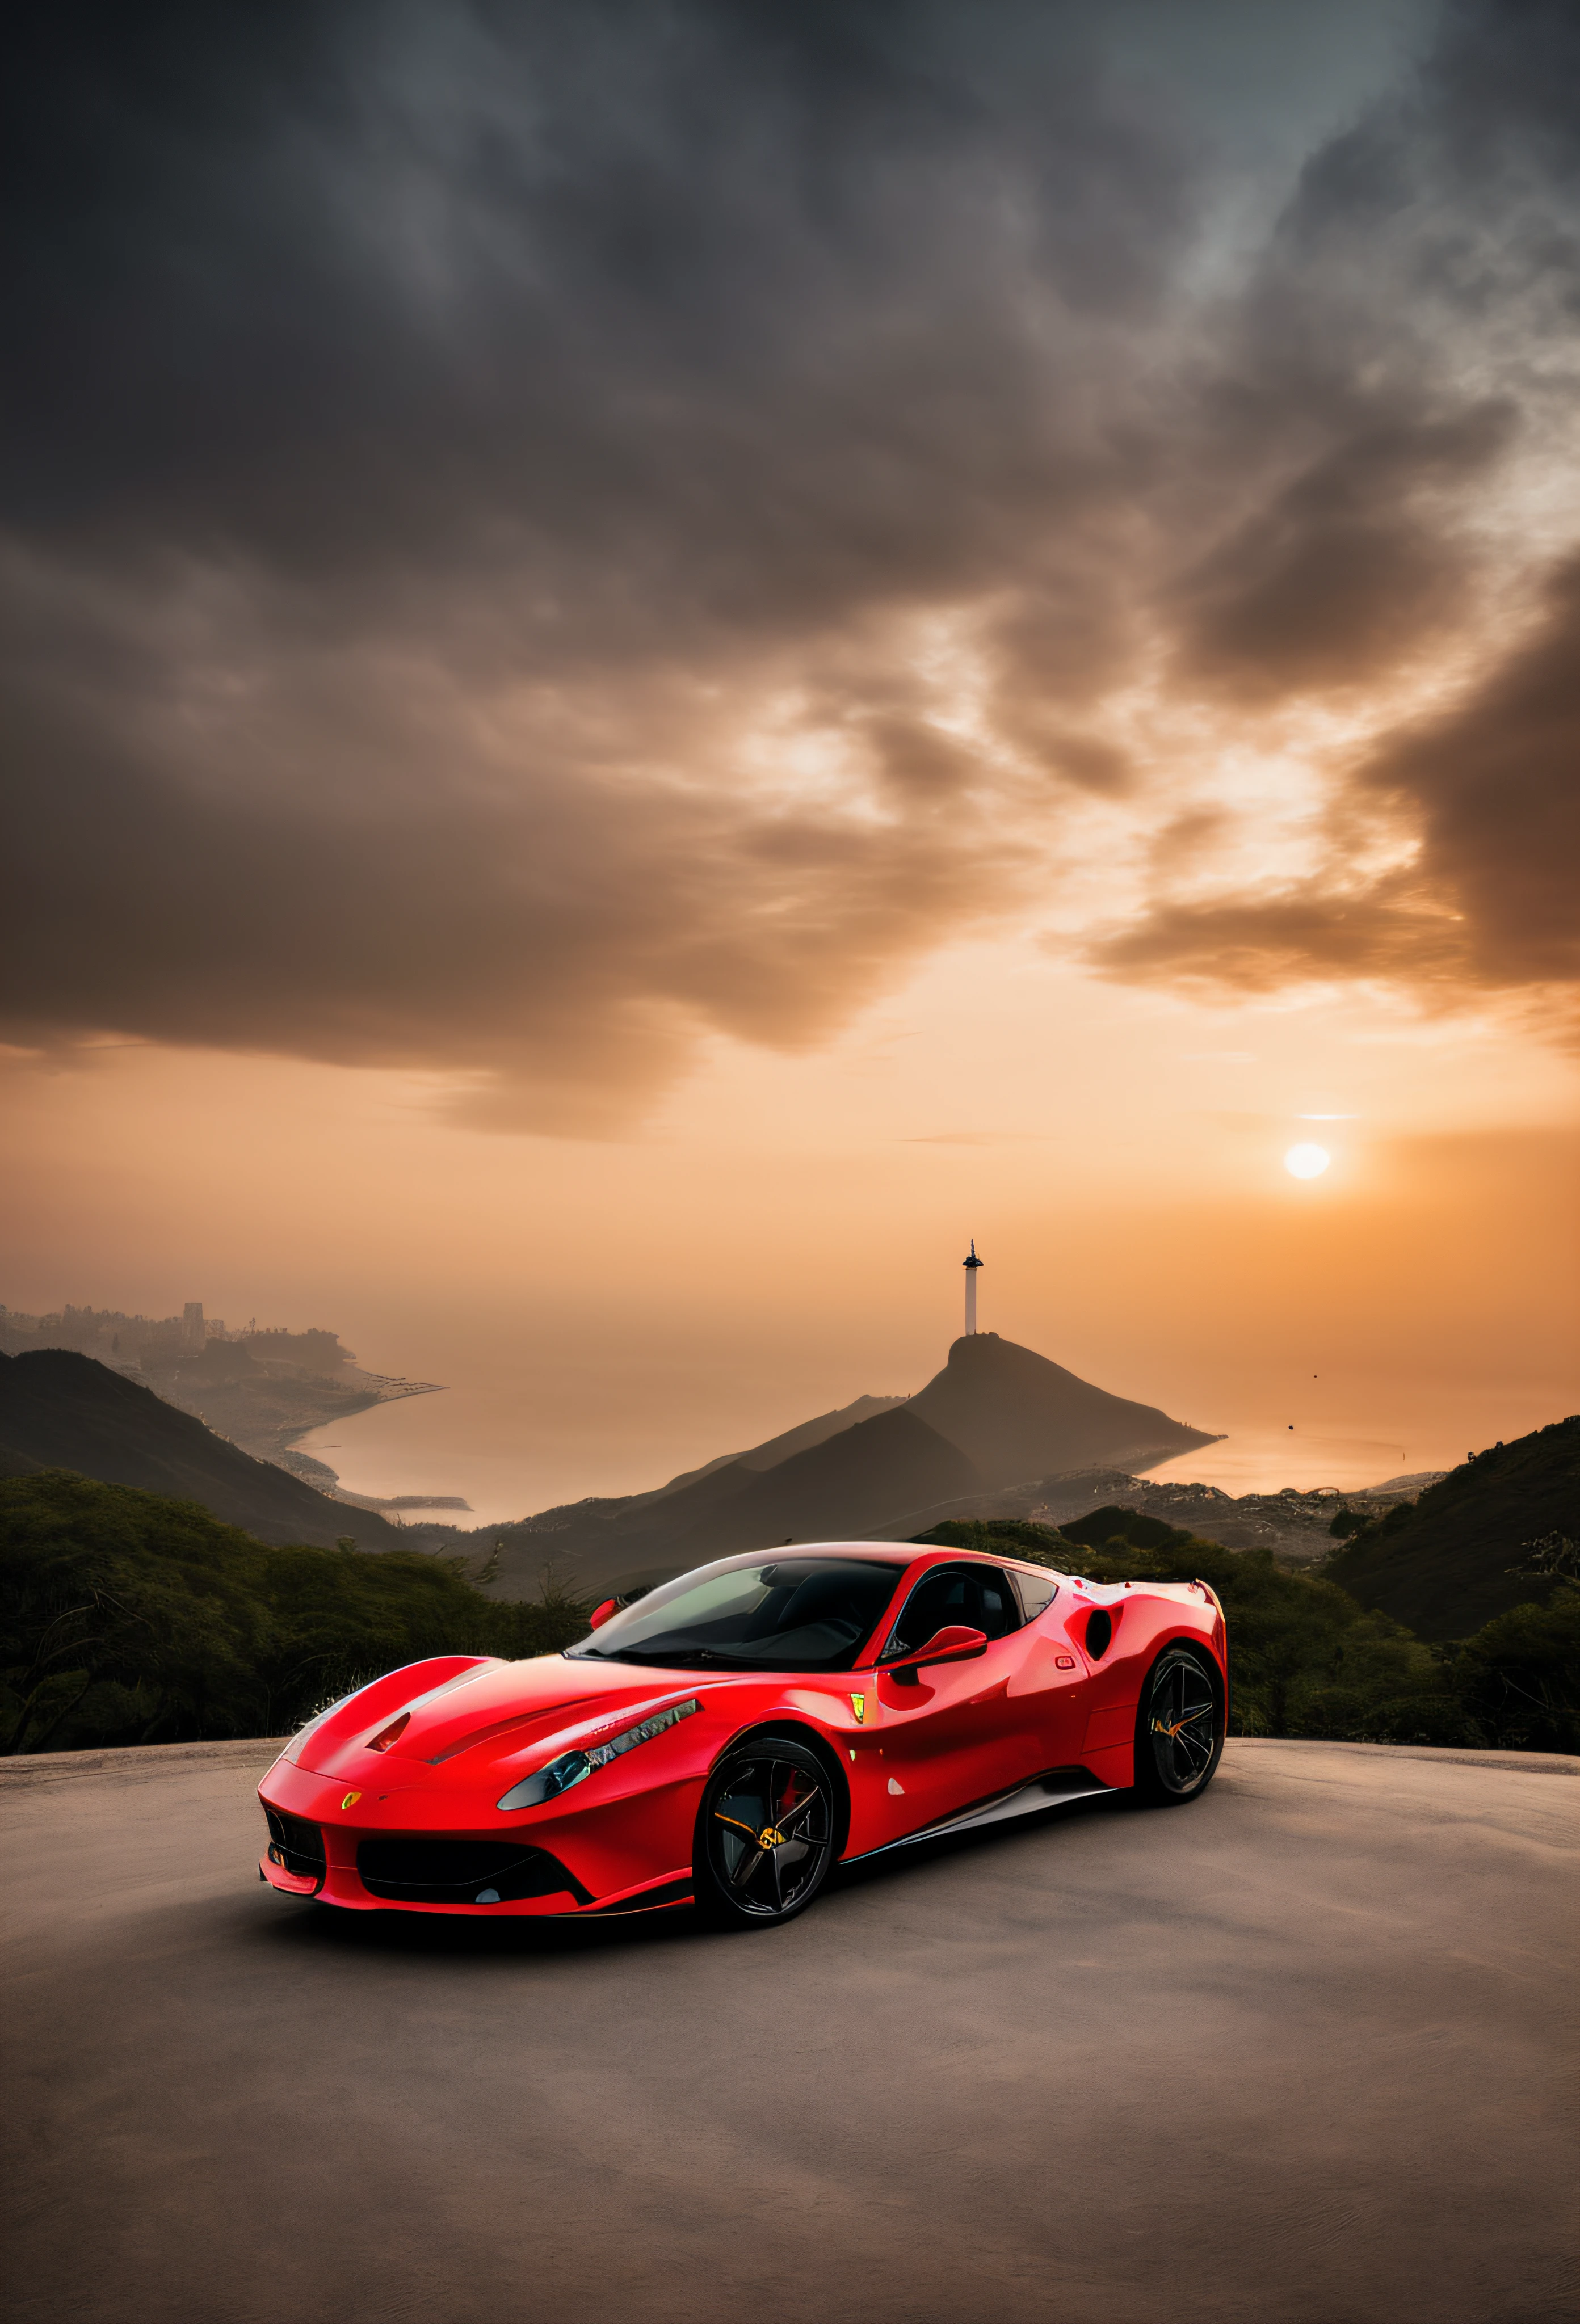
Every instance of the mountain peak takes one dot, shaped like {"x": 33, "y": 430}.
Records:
{"x": 1016, "y": 1414}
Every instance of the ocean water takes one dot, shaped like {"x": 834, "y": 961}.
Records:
{"x": 1257, "y": 1458}
{"x": 501, "y": 1453}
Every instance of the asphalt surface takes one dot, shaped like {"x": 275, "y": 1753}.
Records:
{"x": 1299, "y": 2053}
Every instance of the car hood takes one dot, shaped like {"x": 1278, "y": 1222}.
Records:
{"x": 496, "y": 1711}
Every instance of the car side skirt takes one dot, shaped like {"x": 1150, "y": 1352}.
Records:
{"x": 1061, "y": 1787}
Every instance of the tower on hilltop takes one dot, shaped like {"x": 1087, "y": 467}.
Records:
{"x": 971, "y": 1265}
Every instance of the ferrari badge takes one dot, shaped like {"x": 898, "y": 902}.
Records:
{"x": 350, "y": 1800}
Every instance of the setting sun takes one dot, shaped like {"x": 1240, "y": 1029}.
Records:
{"x": 1306, "y": 1161}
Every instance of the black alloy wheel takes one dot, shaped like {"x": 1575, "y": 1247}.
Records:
{"x": 1179, "y": 1729}
{"x": 765, "y": 1836}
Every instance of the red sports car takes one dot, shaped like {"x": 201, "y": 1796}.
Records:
{"x": 726, "y": 1740}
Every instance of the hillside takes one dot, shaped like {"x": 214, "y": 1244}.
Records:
{"x": 848, "y": 1484}
{"x": 1442, "y": 1567}
{"x": 62, "y": 1410}
{"x": 1014, "y": 1415}
{"x": 775, "y": 1449}
{"x": 1297, "y": 1527}
{"x": 856, "y": 1484}
{"x": 261, "y": 1389}
{"x": 996, "y": 1416}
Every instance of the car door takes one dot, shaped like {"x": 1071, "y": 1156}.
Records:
{"x": 960, "y": 1732}
{"x": 1053, "y": 1680}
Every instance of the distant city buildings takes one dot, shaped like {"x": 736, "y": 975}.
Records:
{"x": 148, "y": 1344}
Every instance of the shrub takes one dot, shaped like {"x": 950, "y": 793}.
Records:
{"x": 1519, "y": 1676}
{"x": 128, "y": 1618}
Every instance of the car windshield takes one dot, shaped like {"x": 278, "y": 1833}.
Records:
{"x": 758, "y": 1613}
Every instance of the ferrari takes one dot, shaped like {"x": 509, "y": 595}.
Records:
{"x": 723, "y": 1741}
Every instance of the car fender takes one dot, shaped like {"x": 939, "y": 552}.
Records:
{"x": 1146, "y": 1622}
{"x": 801, "y": 1711}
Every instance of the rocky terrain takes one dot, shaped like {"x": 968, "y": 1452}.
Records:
{"x": 1296, "y": 1527}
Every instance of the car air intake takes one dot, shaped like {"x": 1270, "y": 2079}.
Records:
{"x": 462, "y": 1872}
{"x": 1099, "y": 1631}
{"x": 295, "y": 1846}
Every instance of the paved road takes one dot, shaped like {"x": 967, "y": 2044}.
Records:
{"x": 1295, "y": 2054}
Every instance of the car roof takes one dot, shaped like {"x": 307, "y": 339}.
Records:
{"x": 917, "y": 1553}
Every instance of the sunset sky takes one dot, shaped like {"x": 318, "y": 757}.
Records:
{"x": 660, "y": 659}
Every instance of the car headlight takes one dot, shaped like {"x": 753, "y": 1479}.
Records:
{"x": 573, "y": 1768}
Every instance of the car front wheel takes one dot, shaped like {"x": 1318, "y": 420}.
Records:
{"x": 766, "y": 1835}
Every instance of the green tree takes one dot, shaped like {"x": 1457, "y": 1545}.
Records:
{"x": 119, "y": 1610}
{"x": 126, "y": 1618}
{"x": 1519, "y": 1676}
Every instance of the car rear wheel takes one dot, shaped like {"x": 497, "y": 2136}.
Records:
{"x": 766, "y": 1835}
{"x": 1179, "y": 1729}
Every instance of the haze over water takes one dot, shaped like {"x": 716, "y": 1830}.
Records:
{"x": 475, "y": 1447}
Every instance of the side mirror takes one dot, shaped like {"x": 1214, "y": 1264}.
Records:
{"x": 600, "y": 1614}
{"x": 955, "y": 1644}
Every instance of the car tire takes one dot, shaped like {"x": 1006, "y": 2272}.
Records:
{"x": 777, "y": 1784}
{"x": 1179, "y": 1729}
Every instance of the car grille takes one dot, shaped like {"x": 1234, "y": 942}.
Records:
{"x": 295, "y": 1846}
{"x": 462, "y": 1872}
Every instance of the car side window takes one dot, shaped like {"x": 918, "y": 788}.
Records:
{"x": 977, "y": 1597}
{"x": 1036, "y": 1594}
{"x": 998, "y": 1608}
{"x": 937, "y": 1599}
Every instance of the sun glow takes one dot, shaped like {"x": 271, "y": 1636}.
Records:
{"x": 1306, "y": 1161}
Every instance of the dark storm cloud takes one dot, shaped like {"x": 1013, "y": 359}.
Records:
{"x": 1496, "y": 787}
{"x": 414, "y": 403}
{"x": 1492, "y": 789}
{"x": 1388, "y": 350}
{"x": 442, "y": 442}
{"x": 561, "y": 939}
{"x": 1343, "y": 569}
{"x": 1436, "y": 243}
{"x": 757, "y": 305}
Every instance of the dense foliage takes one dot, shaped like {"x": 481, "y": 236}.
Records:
{"x": 1492, "y": 1535}
{"x": 1306, "y": 1660}
{"x": 126, "y": 1618}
